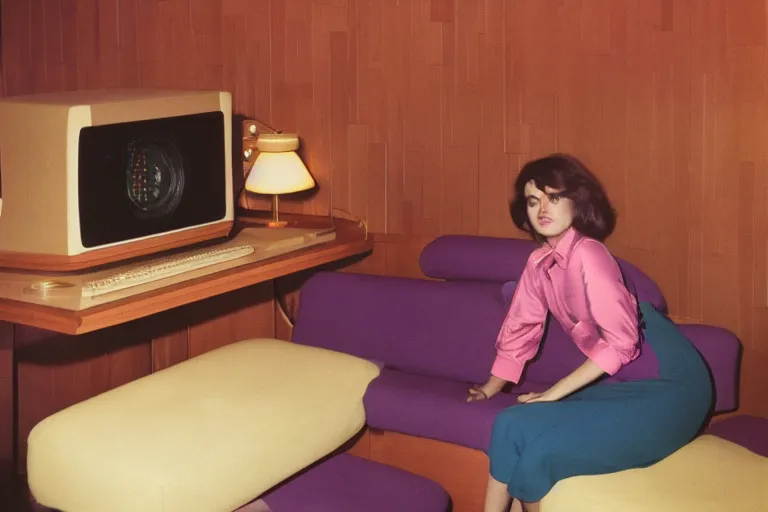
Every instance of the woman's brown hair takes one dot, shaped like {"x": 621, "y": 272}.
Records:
{"x": 593, "y": 214}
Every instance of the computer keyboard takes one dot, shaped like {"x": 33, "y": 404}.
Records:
{"x": 163, "y": 268}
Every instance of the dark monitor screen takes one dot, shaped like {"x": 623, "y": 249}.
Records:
{"x": 147, "y": 177}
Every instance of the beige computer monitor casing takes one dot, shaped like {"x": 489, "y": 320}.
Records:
{"x": 39, "y": 145}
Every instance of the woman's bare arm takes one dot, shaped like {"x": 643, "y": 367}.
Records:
{"x": 585, "y": 374}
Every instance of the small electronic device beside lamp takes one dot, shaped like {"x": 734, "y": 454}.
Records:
{"x": 278, "y": 170}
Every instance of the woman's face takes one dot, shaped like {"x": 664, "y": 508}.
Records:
{"x": 549, "y": 214}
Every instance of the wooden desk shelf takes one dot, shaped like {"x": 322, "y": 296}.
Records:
{"x": 81, "y": 316}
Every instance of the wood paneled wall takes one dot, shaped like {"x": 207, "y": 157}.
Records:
{"x": 417, "y": 114}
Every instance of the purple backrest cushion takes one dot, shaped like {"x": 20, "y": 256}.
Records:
{"x": 444, "y": 329}
{"x": 475, "y": 258}
{"x": 721, "y": 350}
{"x": 441, "y": 329}
{"x": 482, "y": 258}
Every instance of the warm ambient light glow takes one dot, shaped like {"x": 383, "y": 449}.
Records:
{"x": 278, "y": 173}
{"x": 278, "y": 170}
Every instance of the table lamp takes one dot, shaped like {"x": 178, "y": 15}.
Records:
{"x": 278, "y": 170}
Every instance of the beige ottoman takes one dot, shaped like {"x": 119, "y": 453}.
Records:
{"x": 708, "y": 475}
{"x": 209, "y": 434}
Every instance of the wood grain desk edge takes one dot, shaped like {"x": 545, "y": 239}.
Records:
{"x": 146, "y": 304}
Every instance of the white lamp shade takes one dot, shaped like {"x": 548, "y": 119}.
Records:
{"x": 278, "y": 173}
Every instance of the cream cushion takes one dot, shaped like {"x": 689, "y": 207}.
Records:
{"x": 707, "y": 475}
{"x": 208, "y": 434}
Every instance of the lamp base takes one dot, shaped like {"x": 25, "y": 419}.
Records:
{"x": 263, "y": 219}
{"x": 275, "y": 221}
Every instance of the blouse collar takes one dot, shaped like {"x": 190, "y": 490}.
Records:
{"x": 561, "y": 252}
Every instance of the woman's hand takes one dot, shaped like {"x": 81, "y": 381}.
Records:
{"x": 487, "y": 390}
{"x": 478, "y": 393}
{"x": 530, "y": 398}
{"x": 577, "y": 379}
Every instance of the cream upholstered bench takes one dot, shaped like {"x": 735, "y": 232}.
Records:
{"x": 217, "y": 431}
{"x": 709, "y": 474}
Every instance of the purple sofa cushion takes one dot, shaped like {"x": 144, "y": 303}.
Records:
{"x": 751, "y": 432}
{"x": 440, "y": 329}
{"x": 507, "y": 292}
{"x": 434, "y": 408}
{"x": 345, "y": 483}
{"x": 721, "y": 351}
{"x": 475, "y": 258}
{"x": 433, "y": 328}
{"x": 557, "y": 357}
{"x": 482, "y": 258}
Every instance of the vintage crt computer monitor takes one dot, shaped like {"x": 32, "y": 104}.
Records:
{"x": 94, "y": 177}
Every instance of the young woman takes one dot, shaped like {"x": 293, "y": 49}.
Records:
{"x": 578, "y": 427}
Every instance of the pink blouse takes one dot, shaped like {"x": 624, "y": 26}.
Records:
{"x": 580, "y": 283}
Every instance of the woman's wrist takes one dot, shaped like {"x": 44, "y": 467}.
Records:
{"x": 493, "y": 386}
{"x": 582, "y": 376}
{"x": 556, "y": 391}
{"x": 553, "y": 394}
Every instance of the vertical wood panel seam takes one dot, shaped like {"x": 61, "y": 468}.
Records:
{"x": 270, "y": 64}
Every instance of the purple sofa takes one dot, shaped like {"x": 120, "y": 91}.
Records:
{"x": 434, "y": 338}
{"x": 751, "y": 432}
{"x": 345, "y": 483}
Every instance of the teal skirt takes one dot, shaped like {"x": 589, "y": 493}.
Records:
{"x": 609, "y": 427}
